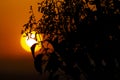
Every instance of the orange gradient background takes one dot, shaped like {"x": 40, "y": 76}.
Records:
{"x": 14, "y": 60}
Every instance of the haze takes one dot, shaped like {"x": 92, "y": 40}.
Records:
{"x": 14, "y": 61}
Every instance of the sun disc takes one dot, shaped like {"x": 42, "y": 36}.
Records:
{"x": 26, "y": 43}
{"x": 30, "y": 42}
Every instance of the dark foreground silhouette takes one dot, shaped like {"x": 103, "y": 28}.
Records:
{"x": 85, "y": 40}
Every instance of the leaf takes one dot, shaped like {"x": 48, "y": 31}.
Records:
{"x": 22, "y": 31}
{"x": 39, "y": 8}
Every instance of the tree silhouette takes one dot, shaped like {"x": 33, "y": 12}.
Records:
{"x": 80, "y": 39}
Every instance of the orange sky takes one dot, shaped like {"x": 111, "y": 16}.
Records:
{"x": 13, "y": 15}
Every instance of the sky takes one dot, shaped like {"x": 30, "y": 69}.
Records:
{"x": 14, "y": 60}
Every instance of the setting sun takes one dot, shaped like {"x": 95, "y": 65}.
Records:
{"x": 27, "y": 42}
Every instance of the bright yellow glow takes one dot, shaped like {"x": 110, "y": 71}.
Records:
{"x": 27, "y": 42}
{"x": 30, "y": 42}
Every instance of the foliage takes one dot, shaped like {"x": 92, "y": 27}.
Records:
{"x": 84, "y": 35}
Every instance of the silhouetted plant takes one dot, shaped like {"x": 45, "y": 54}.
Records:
{"x": 80, "y": 39}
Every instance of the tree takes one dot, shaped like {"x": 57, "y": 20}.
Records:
{"x": 80, "y": 39}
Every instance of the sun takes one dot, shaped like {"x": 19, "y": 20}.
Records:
{"x": 26, "y": 42}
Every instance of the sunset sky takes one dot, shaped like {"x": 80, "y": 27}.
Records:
{"x": 13, "y": 59}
